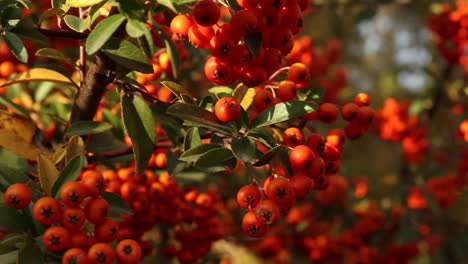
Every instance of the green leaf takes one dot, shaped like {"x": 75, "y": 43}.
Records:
{"x": 11, "y": 16}
{"x": 193, "y": 154}
{"x": 177, "y": 90}
{"x": 9, "y": 176}
{"x": 221, "y": 89}
{"x": 25, "y": 3}
{"x": 9, "y": 258}
{"x": 172, "y": 51}
{"x": 283, "y": 111}
{"x": 50, "y": 12}
{"x": 168, "y": 4}
{"x": 215, "y": 157}
{"x": 129, "y": 56}
{"x": 87, "y": 127}
{"x": 10, "y": 244}
{"x": 82, "y": 3}
{"x": 30, "y": 253}
{"x": 135, "y": 28}
{"x": 103, "y": 32}
{"x": 172, "y": 160}
{"x": 53, "y": 54}
{"x": 234, "y": 5}
{"x": 193, "y": 176}
{"x": 134, "y": 9}
{"x": 26, "y": 30}
{"x": 366, "y": 14}
{"x": 140, "y": 126}
{"x": 244, "y": 148}
{"x": 12, "y": 219}
{"x": 76, "y": 23}
{"x": 16, "y": 46}
{"x": 199, "y": 117}
{"x": 117, "y": 203}
{"x": 18, "y": 108}
{"x": 114, "y": 120}
{"x": 69, "y": 173}
{"x": 317, "y": 94}
{"x": 254, "y": 42}
{"x": 192, "y": 138}
{"x": 60, "y": 4}
{"x": 267, "y": 156}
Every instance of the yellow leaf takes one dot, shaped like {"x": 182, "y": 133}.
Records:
{"x": 82, "y": 3}
{"x": 21, "y": 135}
{"x": 48, "y": 173}
{"x": 244, "y": 96}
{"x": 40, "y": 75}
{"x": 75, "y": 147}
{"x": 59, "y": 154}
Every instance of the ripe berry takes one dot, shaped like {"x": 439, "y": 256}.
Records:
{"x": 73, "y": 218}
{"x": 267, "y": 212}
{"x": 128, "y": 251}
{"x": 200, "y": 36}
{"x": 220, "y": 45}
{"x": 101, "y": 253}
{"x": 181, "y": 24}
{"x": 244, "y": 21}
{"x": 301, "y": 158}
{"x": 72, "y": 193}
{"x": 206, "y": 13}
{"x": 287, "y": 90}
{"x": 248, "y": 3}
{"x": 75, "y": 256}
{"x": 47, "y": 210}
{"x": 239, "y": 56}
{"x": 362, "y": 99}
{"x": 93, "y": 182}
{"x": 299, "y": 74}
{"x": 272, "y": 59}
{"x": 253, "y": 75}
{"x": 97, "y": 210}
{"x": 327, "y": 112}
{"x": 271, "y": 6}
{"x": 18, "y": 195}
{"x": 56, "y": 238}
{"x": 252, "y": 227}
{"x": 349, "y": 111}
{"x": 107, "y": 231}
{"x": 280, "y": 191}
{"x": 263, "y": 99}
{"x": 227, "y": 109}
{"x": 219, "y": 72}
{"x": 248, "y": 196}
{"x": 316, "y": 143}
{"x": 293, "y": 137}
{"x": 301, "y": 185}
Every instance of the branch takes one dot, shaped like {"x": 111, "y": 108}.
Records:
{"x": 62, "y": 33}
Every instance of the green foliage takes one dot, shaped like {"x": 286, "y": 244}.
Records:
{"x": 282, "y": 112}
{"x": 87, "y": 127}
{"x": 70, "y": 172}
{"x": 103, "y": 32}
{"x": 139, "y": 124}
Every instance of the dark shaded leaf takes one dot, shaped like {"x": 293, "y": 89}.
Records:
{"x": 244, "y": 148}
{"x": 193, "y": 154}
{"x": 192, "y": 138}
{"x": 127, "y": 55}
{"x": 69, "y": 173}
{"x": 87, "y": 127}
{"x": 16, "y": 46}
{"x": 117, "y": 203}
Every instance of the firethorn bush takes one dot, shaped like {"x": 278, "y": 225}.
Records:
{"x": 233, "y": 131}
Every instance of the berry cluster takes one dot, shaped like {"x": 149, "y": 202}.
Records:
{"x": 159, "y": 200}
{"x": 78, "y": 222}
{"x": 450, "y": 29}
{"x": 395, "y": 123}
{"x": 276, "y": 21}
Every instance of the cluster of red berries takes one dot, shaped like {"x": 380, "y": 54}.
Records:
{"x": 158, "y": 199}
{"x": 277, "y": 21}
{"x": 321, "y": 62}
{"x": 450, "y": 28}
{"x": 463, "y": 130}
{"x": 394, "y": 123}
{"x": 72, "y": 216}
